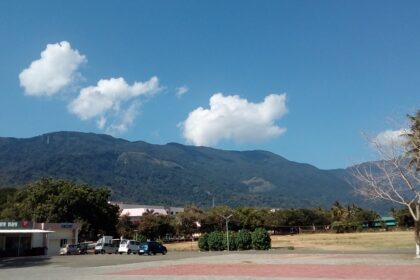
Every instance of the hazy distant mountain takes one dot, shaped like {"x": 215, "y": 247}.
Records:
{"x": 170, "y": 174}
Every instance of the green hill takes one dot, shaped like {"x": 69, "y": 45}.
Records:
{"x": 170, "y": 174}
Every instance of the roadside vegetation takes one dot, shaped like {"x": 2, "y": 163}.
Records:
{"x": 63, "y": 201}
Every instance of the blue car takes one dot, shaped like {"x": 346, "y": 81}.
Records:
{"x": 152, "y": 247}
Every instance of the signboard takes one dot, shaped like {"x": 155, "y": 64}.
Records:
{"x": 15, "y": 224}
{"x": 67, "y": 225}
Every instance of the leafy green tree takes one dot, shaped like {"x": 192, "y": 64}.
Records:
{"x": 188, "y": 222}
{"x": 213, "y": 219}
{"x": 251, "y": 218}
{"x": 403, "y": 217}
{"x": 125, "y": 227}
{"x": 57, "y": 201}
{"x": 5, "y": 195}
{"x": 155, "y": 226}
{"x": 351, "y": 217}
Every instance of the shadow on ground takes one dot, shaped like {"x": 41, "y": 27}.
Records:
{"x": 23, "y": 262}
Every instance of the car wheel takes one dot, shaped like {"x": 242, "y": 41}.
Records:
{"x": 129, "y": 252}
{"x": 164, "y": 252}
{"x": 103, "y": 252}
{"x": 149, "y": 253}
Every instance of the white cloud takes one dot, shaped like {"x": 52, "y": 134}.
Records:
{"x": 390, "y": 138}
{"x": 56, "y": 69}
{"x": 95, "y": 101}
{"x": 124, "y": 121}
{"x": 234, "y": 118}
{"x": 181, "y": 91}
{"x": 108, "y": 99}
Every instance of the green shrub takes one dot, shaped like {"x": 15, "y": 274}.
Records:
{"x": 232, "y": 241}
{"x": 141, "y": 238}
{"x": 203, "y": 244}
{"x": 243, "y": 240}
{"x": 261, "y": 239}
{"x": 216, "y": 241}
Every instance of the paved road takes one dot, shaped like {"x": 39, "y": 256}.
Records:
{"x": 274, "y": 264}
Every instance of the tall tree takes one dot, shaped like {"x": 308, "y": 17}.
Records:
{"x": 396, "y": 177}
{"x": 57, "y": 201}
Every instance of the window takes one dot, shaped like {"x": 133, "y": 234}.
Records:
{"x": 63, "y": 242}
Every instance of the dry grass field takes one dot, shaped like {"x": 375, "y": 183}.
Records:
{"x": 363, "y": 241}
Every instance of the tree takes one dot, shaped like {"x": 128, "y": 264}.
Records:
{"x": 396, "y": 177}
{"x": 125, "y": 227}
{"x": 413, "y": 140}
{"x": 155, "y": 226}
{"x": 189, "y": 221}
{"x": 57, "y": 201}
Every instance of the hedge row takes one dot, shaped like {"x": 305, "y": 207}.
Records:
{"x": 259, "y": 239}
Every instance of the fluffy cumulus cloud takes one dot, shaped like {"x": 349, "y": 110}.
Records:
{"x": 112, "y": 98}
{"x": 390, "y": 138}
{"x": 181, "y": 91}
{"x": 55, "y": 70}
{"x": 236, "y": 119}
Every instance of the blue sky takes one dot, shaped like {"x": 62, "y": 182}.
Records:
{"x": 302, "y": 79}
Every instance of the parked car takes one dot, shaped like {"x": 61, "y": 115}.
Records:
{"x": 83, "y": 247}
{"x": 128, "y": 246}
{"x": 69, "y": 249}
{"x": 152, "y": 247}
{"x": 105, "y": 248}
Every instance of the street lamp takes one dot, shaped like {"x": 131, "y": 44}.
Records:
{"x": 227, "y": 230}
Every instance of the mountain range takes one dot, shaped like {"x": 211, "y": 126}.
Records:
{"x": 171, "y": 174}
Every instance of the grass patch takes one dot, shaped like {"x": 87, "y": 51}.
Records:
{"x": 360, "y": 241}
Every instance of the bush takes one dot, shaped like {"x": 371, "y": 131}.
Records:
{"x": 216, "y": 241}
{"x": 243, "y": 240}
{"x": 261, "y": 239}
{"x": 232, "y": 241}
{"x": 203, "y": 244}
{"x": 141, "y": 238}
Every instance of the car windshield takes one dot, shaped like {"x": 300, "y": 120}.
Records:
{"x": 143, "y": 245}
{"x": 123, "y": 242}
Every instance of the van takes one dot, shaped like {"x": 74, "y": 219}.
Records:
{"x": 128, "y": 246}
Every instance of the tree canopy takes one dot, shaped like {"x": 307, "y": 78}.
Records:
{"x": 58, "y": 201}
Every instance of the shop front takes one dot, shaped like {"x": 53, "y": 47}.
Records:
{"x": 19, "y": 238}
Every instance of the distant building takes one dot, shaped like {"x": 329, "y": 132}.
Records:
{"x": 135, "y": 211}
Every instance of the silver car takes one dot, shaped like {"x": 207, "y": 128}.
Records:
{"x": 69, "y": 249}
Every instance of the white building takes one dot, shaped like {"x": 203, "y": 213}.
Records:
{"x": 135, "y": 211}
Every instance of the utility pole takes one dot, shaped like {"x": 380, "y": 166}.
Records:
{"x": 212, "y": 196}
{"x": 227, "y": 218}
